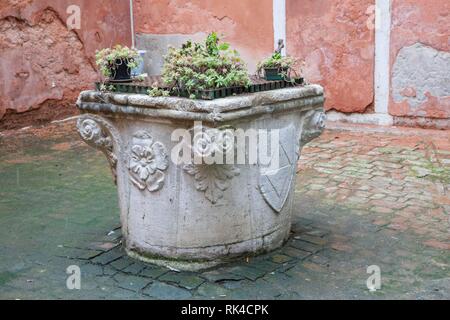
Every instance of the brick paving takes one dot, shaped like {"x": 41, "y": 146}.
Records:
{"x": 400, "y": 182}
{"x": 362, "y": 199}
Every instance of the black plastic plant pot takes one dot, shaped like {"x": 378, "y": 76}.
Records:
{"x": 274, "y": 74}
{"x": 121, "y": 72}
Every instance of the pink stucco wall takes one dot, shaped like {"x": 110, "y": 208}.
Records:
{"x": 247, "y": 25}
{"x": 337, "y": 45}
{"x": 42, "y": 61}
{"x": 420, "y": 59}
{"x": 43, "y": 65}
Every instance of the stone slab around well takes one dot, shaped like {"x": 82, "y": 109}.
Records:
{"x": 218, "y": 110}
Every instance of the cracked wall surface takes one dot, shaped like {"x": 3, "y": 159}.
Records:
{"x": 420, "y": 60}
{"x": 247, "y": 25}
{"x": 44, "y": 65}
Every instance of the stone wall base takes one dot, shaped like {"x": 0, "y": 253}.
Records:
{"x": 421, "y": 122}
{"x": 388, "y": 120}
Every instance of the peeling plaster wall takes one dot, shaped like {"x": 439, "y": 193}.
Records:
{"x": 42, "y": 63}
{"x": 420, "y": 59}
{"x": 421, "y": 73}
{"x": 247, "y": 25}
{"x": 335, "y": 40}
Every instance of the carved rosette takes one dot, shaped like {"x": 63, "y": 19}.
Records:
{"x": 100, "y": 134}
{"x": 313, "y": 126}
{"x": 147, "y": 162}
{"x": 212, "y": 179}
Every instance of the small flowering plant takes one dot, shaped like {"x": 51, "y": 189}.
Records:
{"x": 203, "y": 66}
{"x": 116, "y": 63}
{"x": 277, "y": 61}
{"x": 278, "y": 67}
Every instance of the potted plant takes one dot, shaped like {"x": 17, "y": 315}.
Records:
{"x": 116, "y": 63}
{"x": 278, "y": 67}
{"x": 203, "y": 66}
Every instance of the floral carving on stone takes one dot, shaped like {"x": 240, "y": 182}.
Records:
{"x": 212, "y": 179}
{"x": 147, "y": 162}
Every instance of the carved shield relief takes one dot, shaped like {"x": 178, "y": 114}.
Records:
{"x": 275, "y": 184}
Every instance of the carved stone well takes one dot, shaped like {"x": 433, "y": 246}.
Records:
{"x": 195, "y": 215}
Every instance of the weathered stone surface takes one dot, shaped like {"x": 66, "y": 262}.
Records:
{"x": 218, "y": 108}
{"x": 420, "y": 60}
{"x": 188, "y": 215}
{"x": 337, "y": 45}
{"x": 42, "y": 61}
{"x": 421, "y": 82}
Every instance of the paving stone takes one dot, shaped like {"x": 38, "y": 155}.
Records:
{"x": 107, "y": 257}
{"x": 187, "y": 281}
{"x": 163, "y": 291}
{"x": 233, "y": 285}
{"x": 305, "y": 246}
{"x": 295, "y": 253}
{"x": 109, "y": 271}
{"x": 302, "y": 222}
{"x": 222, "y": 275}
{"x": 320, "y": 259}
{"x": 339, "y": 246}
{"x": 134, "y": 268}
{"x": 153, "y": 272}
{"x": 382, "y": 210}
{"x": 266, "y": 265}
{"x": 88, "y": 255}
{"x": 317, "y": 232}
{"x": 377, "y": 196}
{"x": 130, "y": 282}
{"x": 91, "y": 270}
{"x": 103, "y": 246}
{"x": 280, "y": 258}
{"x": 311, "y": 239}
{"x": 315, "y": 187}
{"x": 248, "y": 272}
{"x": 77, "y": 253}
{"x": 122, "y": 263}
{"x": 212, "y": 291}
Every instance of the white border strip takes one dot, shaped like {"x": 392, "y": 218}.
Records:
{"x": 361, "y": 118}
{"x": 279, "y": 23}
{"x": 133, "y": 40}
{"x": 382, "y": 55}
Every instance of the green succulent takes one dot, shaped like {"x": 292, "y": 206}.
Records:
{"x": 203, "y": 66}
{"x": 108, "y": 59}
{"x": 285, "y": 65}
{"x": 157, "y": 92}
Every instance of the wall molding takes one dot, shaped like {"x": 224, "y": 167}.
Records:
{"x": 382, "y": 55}
{"x": 279, "y": 23}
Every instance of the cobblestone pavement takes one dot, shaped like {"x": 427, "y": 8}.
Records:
{"x": 362, "y": 199}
